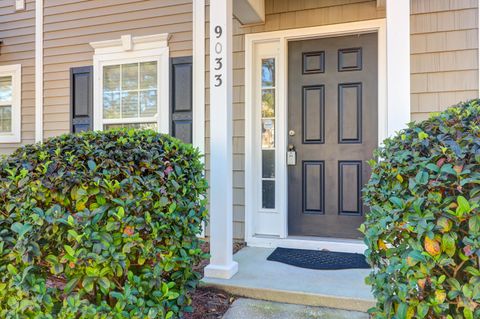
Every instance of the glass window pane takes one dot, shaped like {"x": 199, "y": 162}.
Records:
{"x": 268, "y": 72}
{"x": 148, "y": 103}
{"x": 268, "y": 163}
{"x": 268, "y": 133}
{"x": 268, "y": 194}
{"x": 129, "y": 104}
{"x": 148, "y": 75}
{"x": 130, "y": 76}
{"x": 111, "y": 78}
{"x": 6, "y": 119}
{"x": 111, "y": 105}
{"x": 5, "y": 88}
{"x": 152, "y": 126}
{"x": 268, "y": 103}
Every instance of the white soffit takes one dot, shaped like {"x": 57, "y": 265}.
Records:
{"x": 249, "y": 11}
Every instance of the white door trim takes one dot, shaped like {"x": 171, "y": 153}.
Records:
{"x": 277, "y": 235}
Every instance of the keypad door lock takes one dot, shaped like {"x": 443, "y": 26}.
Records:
{"x": 291, "y": 155}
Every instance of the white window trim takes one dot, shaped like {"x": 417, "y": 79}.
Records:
{"x": 15, "y": 71}
{"x": 130, "y": 49}
{"x": 270, "y": 228}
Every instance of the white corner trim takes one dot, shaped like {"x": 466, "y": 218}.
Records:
{"x": 199, "y": 75}
{"x": 38, "y": 70}
{"x": 199, "y": 80}
{"x": 277, "y": 234}
{"x": 15, "y": 72}
{"x": 129, "y": 49}
{"x": 478, "y": 33}
{"x": 398, "y": 65}
{"x": 128, "y": 43}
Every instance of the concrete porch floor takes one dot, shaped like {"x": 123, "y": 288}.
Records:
{"x": 259, "y": 278}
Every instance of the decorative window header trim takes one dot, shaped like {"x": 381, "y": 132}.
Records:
{"x": 128, "y": 43}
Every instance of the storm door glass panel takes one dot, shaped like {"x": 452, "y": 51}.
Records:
{"x": 267, "y": 122}
{"x": 6, "y": 95}
{"x": 130, "y": 95}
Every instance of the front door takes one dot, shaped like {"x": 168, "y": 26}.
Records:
{"x": 332, "y": 123}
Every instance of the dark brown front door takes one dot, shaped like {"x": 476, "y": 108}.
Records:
{"x": 332, "y": 123}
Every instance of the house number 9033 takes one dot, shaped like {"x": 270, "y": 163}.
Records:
{"x": 218, "y": 60}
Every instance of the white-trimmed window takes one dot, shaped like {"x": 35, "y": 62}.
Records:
{"x": 131, "y": 83}
{"x": 10, "y": 103}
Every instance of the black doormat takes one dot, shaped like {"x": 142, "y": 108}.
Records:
{"x": 318, "y": 259}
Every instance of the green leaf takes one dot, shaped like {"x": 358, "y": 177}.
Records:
{"x": 474, "y": 224}
{"x": 402, "y": 311}
{"x": 88, "y": 284}
{"x": 11, "y": 269}
{"x": 69, "y": 250}
{"x": 422, "y": 178}
{"x": 467, "y": 313}
{"x": 448, "y": 245}
{"x": 104, "y": 283}
{"x": 463, "y": 206}
{"x": 422, "y": 136}
{"x": 71, "y": 284}
{"x": 397, "y": 202}
{"x": 91, "y": 165}
{"x": 422, "y": 309}
{"x": 21, "y": 229}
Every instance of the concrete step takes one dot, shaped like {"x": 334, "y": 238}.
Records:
{"x": 258, "y": 309}
{"x": 272, "y": 281}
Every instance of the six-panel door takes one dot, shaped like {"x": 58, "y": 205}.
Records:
{"x": 332, "y": 123}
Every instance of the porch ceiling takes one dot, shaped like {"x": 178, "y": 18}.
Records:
{"x": 249, "y": 11}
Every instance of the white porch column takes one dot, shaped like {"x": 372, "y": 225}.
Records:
{"x": 398, "y": 64}
{"x": 221, "y": 211}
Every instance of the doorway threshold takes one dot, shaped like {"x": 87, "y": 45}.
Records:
{"x": 309, "y": 242}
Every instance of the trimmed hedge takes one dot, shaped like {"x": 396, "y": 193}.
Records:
{"x": 100, "y": 225}
{"x": 423, "y": 229}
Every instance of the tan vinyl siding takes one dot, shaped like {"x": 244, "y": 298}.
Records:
{"x": 17, "y": 31}
{"x": 71, "y": 25}
{"x": 444, "y": 59}
{"x": 280, "y": 15}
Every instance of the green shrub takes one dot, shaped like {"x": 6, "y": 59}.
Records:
{"x": 100, "y": 225}
{"x": 423, "y": 229}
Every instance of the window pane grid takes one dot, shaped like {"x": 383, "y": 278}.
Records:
{"x": 135, "y": 95}
{"x": 267, "y": 143}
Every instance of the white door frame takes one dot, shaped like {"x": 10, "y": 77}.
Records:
{"x": 274, "y": 223}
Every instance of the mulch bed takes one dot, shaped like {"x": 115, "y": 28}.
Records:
{"x": 210, "y": 303}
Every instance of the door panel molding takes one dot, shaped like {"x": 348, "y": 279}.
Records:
{"x": 345, "y": 187}
{"x": 317, "y": 124}
{"x": 343, "y": 114}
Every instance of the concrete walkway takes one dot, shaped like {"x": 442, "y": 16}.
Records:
{"x": 268, "y": 280}
{"x": 257, "y": 309}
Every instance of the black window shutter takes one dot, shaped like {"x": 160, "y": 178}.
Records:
{"x": 81, "y": 99}
{"x": 181, "y": 98}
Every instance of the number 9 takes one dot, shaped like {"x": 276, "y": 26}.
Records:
{"x": 218, "y": 31}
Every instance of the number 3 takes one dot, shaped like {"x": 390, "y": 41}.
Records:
{"x": 218, "y": 77}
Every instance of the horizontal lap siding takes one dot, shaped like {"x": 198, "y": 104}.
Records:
{"x": 280, "y": 15}
{"x": 17, "y": 31}
{"x": 444, "y": 54}
{"x": 70, "y": 25}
